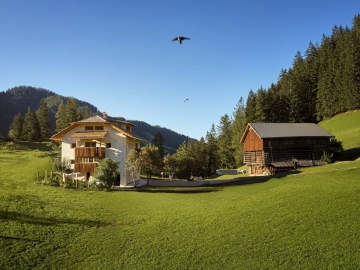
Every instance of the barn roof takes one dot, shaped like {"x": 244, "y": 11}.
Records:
{"x": 286, "y": 130}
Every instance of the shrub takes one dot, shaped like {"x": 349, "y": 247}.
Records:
{"x": 106, "y": 172}
{"x": 336, "y": 147}
{"x": 326, "y": 157}
{"x": 62, "y": 165}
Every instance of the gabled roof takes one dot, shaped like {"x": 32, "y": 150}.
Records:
{"x": 93, "y": 119}
{"x": 96, "y": 119}
{"x": 286, "y": 130}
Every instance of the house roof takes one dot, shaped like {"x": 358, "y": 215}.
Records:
{"x": 96, "y": 134}
{"x": 286, "y": 130}
{"x": 93, "y": 119}
{"x": 90, "y": 134}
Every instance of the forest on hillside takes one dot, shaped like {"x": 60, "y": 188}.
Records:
{"x": 320, "y": 84}
{"x": 18, "y": 100}
{"x": 323, "y": 82}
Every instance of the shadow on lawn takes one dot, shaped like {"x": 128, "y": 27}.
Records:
{"x": 32, "y": 219}
{"x": 255, "y": 179}
{"x": 18, "y": 238}
{"x": 180, "y": 190}
{"x": 349, "y": 155}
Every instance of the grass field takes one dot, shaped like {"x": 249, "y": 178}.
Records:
{"x": 305, "y": 219}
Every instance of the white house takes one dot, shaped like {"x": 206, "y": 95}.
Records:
{"x": 88, "y": 141}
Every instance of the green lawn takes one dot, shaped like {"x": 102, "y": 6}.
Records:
{"x": 305, "y": 219}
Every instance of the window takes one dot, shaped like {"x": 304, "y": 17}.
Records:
{"x": 99, "y": 127}
{"x": 72, "y": 161}
{"x": 89, "y": 128}
{"x": 128, "y": 128}
{"x": 108, "y": 145}
{"x": 73, "y": 145}
{"x": 90, "y": 144}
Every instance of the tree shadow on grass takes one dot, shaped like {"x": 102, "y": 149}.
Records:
{"x": 349, "y": 155}
{"x": 255, "y": 179}
{"x": 181, "y": 190}
{"x": 43, "y": 221}
{"x": 18, "y": 238}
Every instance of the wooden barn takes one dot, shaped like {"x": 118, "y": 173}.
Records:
{"x": 273, "y": 147}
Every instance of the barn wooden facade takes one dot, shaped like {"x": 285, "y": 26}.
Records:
{"x": 271, "y": 147}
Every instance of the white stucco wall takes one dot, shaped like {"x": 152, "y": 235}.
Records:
{"x": 120, "y": 147}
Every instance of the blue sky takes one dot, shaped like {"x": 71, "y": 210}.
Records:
{"x": 118, "y": 55}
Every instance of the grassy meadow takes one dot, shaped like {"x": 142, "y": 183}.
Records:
{"x": 304, "y": 219}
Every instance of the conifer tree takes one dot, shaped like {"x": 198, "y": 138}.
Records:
{"x": 43, "y": 116}
{"x": 31, "y": 128}
{"x": 16, "y": 127}
{"x": 158, "y": 141}
{"x": 237, "y": 130}
{"x": 61, "y": 119}
{"x": 71, "y": 110}
{"x": 226, "y": 150}
{"x": 212, "y": 151}
{"x": 250, "y": 110}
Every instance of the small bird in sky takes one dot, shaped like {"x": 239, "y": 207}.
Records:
{"x": 186, "y": 99}
{"x": 180, "y": 39}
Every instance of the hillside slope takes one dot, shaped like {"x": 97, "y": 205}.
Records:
{"x": 346, "y": 128}
{"x": 18, "y": 99}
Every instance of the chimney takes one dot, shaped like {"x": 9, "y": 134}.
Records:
{"x": 105, "y": 115}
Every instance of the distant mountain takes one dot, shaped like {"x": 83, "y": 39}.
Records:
{"x": 172, "y": 140}
{"x": 18, "y": 99}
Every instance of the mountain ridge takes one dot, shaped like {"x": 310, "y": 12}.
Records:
{"x": 19, "y": 98}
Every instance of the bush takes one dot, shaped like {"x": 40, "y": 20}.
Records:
{"x": 62, "y": 165}
{"x": 336, "y": 147}
{"x": 326, "y": 157}
{"x": 105, "y": 173}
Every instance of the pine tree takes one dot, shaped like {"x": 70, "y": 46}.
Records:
{"x": 43, "y": 117}
{"x": 212, "y": 151}
{"x": 226, "y": 150}
{"x": 31, "y": 128}
{"x": 250, "y": 111}
{"x": 261, "y": 106}
{"x": 71, "y": 110}
{"x": 16, "y": 127}
{"x": 61, "y": 119}
{"x": 159, "y": 142}
{"x": 237, "y": 129}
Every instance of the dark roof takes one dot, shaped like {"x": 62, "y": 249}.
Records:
{"x": 281, "y": 130}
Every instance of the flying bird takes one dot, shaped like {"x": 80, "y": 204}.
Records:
{"x": 180, "y": 39}
{"x": 186, "y": 99}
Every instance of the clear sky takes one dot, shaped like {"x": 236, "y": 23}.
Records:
{"x": 119, "y": 56}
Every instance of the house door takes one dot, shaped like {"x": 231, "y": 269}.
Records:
{"x": 117, "y": 182}
{"x": 87, "y": 176}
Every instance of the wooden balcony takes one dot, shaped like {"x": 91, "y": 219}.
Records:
{"x": 85, "y": 167}
{"x": 89, "y": 152}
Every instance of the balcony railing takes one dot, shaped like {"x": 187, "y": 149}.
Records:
{"x": 89, "y": 152}
{"x": 85, "y": 167}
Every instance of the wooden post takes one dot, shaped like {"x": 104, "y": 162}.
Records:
{"x": 37, "y": 177}
{"x": 45, "y": 174}
{"x": 51, "y": 174}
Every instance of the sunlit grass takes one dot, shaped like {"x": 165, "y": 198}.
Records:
{"x": 305, "y": 219}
